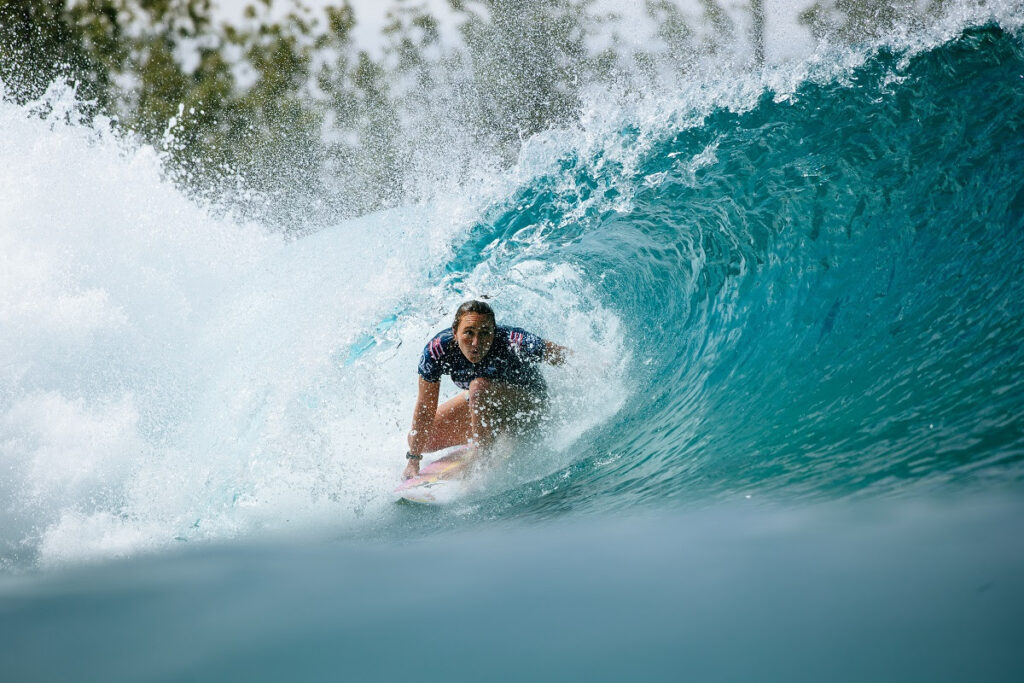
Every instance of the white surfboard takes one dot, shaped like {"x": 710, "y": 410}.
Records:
{"x": 440, "y": 482}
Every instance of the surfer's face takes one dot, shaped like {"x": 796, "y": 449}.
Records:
{"x": 475, "y": 335}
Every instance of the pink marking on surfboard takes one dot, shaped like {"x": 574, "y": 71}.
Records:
{"x": 451, "y": 466}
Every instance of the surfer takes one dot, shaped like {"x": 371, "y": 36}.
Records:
{"x": 496, "y": 367}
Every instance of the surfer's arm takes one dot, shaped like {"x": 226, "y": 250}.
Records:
{"x": 555, "y": 354}
{"x": 423, "y": 416}
{"x": 422, "y": 422}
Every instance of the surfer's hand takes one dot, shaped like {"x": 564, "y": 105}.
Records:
{"x": 411, "y": 470}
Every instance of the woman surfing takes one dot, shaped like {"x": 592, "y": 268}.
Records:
{"x": 496, "y": 367}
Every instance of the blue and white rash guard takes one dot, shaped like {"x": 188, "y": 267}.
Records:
{"x": 512, "y": 358}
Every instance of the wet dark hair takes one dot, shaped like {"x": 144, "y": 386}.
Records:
{"x": 473, "y": 306}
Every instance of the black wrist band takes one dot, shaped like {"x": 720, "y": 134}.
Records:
{"x": 410, "y": 456}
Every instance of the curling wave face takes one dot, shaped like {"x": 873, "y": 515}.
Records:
{"x": 821, "y": 290}
{"x": 806, "y": 291}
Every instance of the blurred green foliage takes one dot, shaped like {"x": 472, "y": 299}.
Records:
{"x": 282, "y": 112}
{"x": 854, "y": 21}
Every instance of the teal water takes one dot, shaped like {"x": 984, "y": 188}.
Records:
{"x": 829, "y": 303}
{"x": 841, "y": 288}
{"x": 792, "y": 449}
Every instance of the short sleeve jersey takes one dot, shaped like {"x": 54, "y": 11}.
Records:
{"x": 512, "y": 358}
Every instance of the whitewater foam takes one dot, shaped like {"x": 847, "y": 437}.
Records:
{"x": 171, "y": 374}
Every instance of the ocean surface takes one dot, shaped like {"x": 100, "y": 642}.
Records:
{"x": 789, "y": 446}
